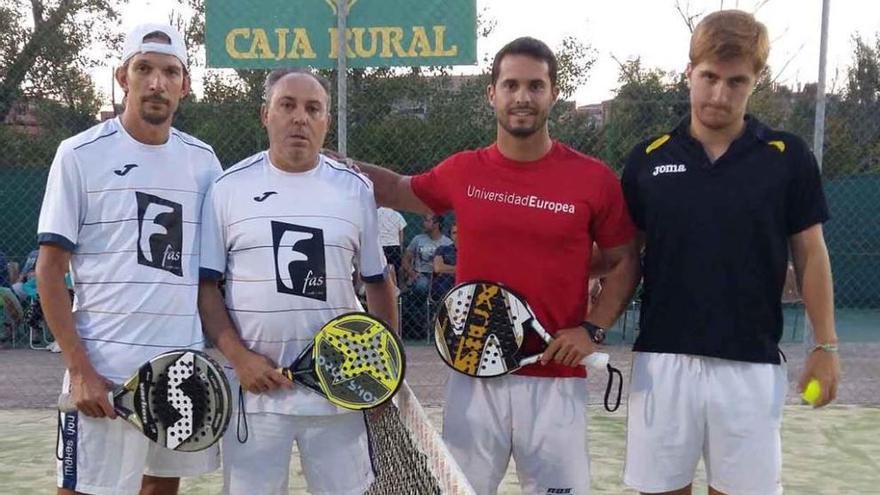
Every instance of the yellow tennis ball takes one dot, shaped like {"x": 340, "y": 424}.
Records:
{"x": 812, "y": 392}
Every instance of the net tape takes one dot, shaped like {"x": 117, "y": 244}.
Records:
{"x": 409, "y": 455}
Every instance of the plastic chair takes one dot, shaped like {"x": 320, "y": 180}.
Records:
{"x": 11, "y": 314}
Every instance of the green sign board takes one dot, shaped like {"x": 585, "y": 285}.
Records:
{"x": 273, "y": 33}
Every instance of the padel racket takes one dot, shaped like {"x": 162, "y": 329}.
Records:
{"x": 179, "y": 399}
{"x": 355, "y": 361}
{"x": 480, "y": 328}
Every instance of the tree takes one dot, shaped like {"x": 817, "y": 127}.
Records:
{"x": 48, "y": 58}
{"x": 575, "y": 58}
{"x": 861, "y": 106}
{"x": 647, "y": 102}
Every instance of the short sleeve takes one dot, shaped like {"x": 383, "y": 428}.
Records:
{"x": 401, "y": 221}
{"x": 64, "y": 203}
{"x": 371, "y": 257}
{"x": 629, "y": 183}
{"x": 413, "y": 245}
{"x": 216, "y": 170}
{"x": 806, "y": 204}
{"x": 434, "y": 186}
{"x": 212, "y": 259}
{"x": 611, "y": 226}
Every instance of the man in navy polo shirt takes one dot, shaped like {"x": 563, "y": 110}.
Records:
{"x": 719, "y": 203}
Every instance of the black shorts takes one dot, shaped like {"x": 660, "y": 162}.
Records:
{"x": 392, "y": 254}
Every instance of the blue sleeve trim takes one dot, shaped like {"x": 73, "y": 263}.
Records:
{"x": 373, "y": 279}
{"x": 208, "y": 274}
{"x": 57, "y": 240}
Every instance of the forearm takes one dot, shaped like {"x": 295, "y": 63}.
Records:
{"x": 817, "y": 292}
{"x": 381, "y": 301}
{"x": 57, "y": 311}
{"x": 618, "y": 286}
{"x": 442, "y": 267}
{"x": 406, "y": 263}
{"x": 385, "y": 183}
{"x": 216, "y": 322}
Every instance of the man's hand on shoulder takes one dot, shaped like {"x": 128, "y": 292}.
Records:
{"x": 348, "y": 162}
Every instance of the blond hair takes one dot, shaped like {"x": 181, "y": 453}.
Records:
{"x": 730, "y": 34}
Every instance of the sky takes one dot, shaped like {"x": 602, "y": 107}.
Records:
{"x": 651, "y": 29}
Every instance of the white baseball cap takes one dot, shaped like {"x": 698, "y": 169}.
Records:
{"x": 134, "y": 42}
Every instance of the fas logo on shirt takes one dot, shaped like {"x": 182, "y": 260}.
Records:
{"x": 160, "y": 233}
{"x": 300, "y": 268}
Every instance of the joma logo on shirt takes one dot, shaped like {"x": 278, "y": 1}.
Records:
{"x": 669, "y": 169}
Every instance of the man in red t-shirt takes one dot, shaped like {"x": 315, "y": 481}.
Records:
{"x": 528, "y": 211}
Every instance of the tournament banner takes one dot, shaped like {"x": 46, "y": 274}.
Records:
{"x": 262, "y": 34}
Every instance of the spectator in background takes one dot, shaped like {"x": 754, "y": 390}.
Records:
{"x": 418, "y": 265}
{"x": 444, "y": 266}
{"x": 11, "y": 314}
{"x": 391, "y": 225}
{"x": 27, "y": 274}
{"x": 4, "y": 274}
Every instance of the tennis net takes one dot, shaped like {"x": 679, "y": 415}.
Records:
{"x": 408, "y": 454}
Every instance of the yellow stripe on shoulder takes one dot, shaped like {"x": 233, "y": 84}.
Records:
{"x": 780, "y": 145}
{"x": 657, "y": 143}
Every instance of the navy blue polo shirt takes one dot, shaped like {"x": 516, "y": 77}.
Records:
{"x": 716, "y": 238}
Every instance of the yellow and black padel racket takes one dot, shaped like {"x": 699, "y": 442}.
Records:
{"x": 356, "y": 361}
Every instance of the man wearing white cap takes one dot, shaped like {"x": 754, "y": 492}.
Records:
{"x": 121, "y": 212}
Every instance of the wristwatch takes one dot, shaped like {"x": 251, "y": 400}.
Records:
{"x": 597, "y": 333}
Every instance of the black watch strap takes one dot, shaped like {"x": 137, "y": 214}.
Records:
{"x": 597, "y": 333}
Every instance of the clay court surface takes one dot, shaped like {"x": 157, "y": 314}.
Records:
{"x": 834, "y": 451}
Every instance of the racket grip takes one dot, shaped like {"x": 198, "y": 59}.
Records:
{"x": 596, "y": 360}
{"x": 66, "y": 404}
{"x": 286, "y": 372}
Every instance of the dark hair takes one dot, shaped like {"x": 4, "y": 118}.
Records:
{"x": 532, "y": 47}
{"x": 277, "y": 74}
{"x": 157, "y": 35}
{"x": 154, "y": 35}
{"x": 437, "y": 219}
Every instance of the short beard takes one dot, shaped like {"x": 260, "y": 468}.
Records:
{"x": 155, "y": 118}
{"x": 523, "y": 132}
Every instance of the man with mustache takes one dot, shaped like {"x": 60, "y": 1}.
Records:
{"x": 121, "y": 211}
{"x": 719, "y": 202}
{"x": 528, "y": 210}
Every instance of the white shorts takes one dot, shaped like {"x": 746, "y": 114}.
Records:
{"x": 541, "y": 421}
{"x": 682, "y": 407}
{"x": 102, "y": 456}
{"x": 334, "y": 453}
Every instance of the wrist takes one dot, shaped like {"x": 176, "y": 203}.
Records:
{"x": 596, "y": 333}
{"x": 825, "y": 347}
{"x": 82, "y": 369}
{"x": 236, "y": 353}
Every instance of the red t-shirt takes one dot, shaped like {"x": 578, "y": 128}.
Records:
{"x": 531, "y": 226}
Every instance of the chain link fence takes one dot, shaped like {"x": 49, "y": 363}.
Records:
{"x": 411, "y": 119}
